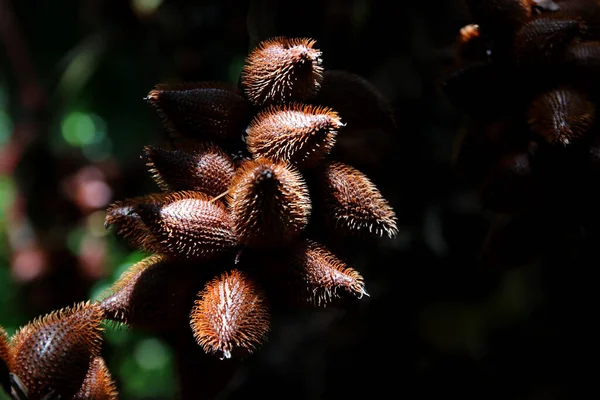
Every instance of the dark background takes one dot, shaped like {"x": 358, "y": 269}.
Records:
{"x": 444, "y": 317}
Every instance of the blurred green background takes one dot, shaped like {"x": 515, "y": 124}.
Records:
{"x": 73, "y": 122}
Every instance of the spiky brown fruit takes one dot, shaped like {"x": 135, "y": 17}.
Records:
{"x": 214, "y": 110}
{"x": 5, "y": 360}
{"x": 583, "y": 58}
{"x": 53, "y": 353}
{"x": 353, "y": 203}
{"x": 202, "y": 167}
{"x": 98, "y": 383}
{"x": 188, "y": 224}
{"x": 561, "y": 115}
{"x": 152, "y": 294}
{"x": 587, "y": 10}
{"x": 547, "y": 38}
{"x": 121, "y": 216}
{"x": 300, "y": 134}
{"x": 269, "y": 203}
{"x": 280, "y": 70}
{"x": 318, "y": 275}
{"x": 5, "y": 352}
{"x": 230, "y": 313}
{"x": 585, "y": 54}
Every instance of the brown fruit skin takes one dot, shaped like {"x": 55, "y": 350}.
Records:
{"x": 188, "y": 224}
{"x": 202, "y": 167}
{"x": 300, "y": 134}
{"x": 353, "y": 203}
{"x": 319, "y": 276}
{"x": 98, "y": 383}
{"x": 53, "y": 353}
{"x": 269, "y": 203}
{"x": 281, "y": 70}
{"x": 5, "y": 360}
{"x": 561, "y": 115}
{"x": 5, "y": 352}
{"x": 546, "y": 39}
{"x": 213, "y": 110}
{"x": 121, "y": 216}
{"x": 585, "y": 54}
{"x": 587, "y": 10}
{"x": 230, "y": 314}
{"x": 153, "y": 294}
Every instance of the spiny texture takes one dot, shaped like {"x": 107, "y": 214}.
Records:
{"x": 230, "y": 312}
{"x": 231, "y": 226}
{"x": 202, "y": 167}
{"x": 4, "y": 347}
{"x": 321, "y": 274}
{"x": 269, "y": 202}
{"x": 300, "y": 134}
{"x": 561, "y": 115}
{"x": 282, "y": 69}
{"x": 546, "y": 38}
{"x": 151, "y": 294}
{"x": 213, "y": 109}
{"x": 530, "y": 94}
{"x": 188, "y": 223}
{"x": 126, "y": 222}
{"x": 52, "y": 354}
{"x": 354, "y": 203}
{"x": 5, "y": 360}
{"x": 98, "y": 383}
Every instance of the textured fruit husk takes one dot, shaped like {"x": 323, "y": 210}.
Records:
{"x": 98, "y": 383}
{"x": 231, "y": 313}
{"x": 53, "y": 353}
{"x": 269, "y": 203}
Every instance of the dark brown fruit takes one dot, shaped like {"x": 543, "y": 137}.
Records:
{"x": 201, "y": 167}
{"x": 269, "y": 203}
{"x": 561, "y": 115}
{"x": 212, "y": 110}
{"x": 53, "y": 353}
{"x": 188, "y": 224}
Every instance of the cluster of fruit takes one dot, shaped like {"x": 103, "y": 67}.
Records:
{"x": 246, "y": 172}
{"x": 526, "y": 78}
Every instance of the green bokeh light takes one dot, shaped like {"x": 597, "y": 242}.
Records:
{"x": 149, "y": 368}
{"x": 152, "y": 354}
{"x": 6, "y": 127}
{"x": 146, "y": 6}
{"x": 81, "y": 129}
{"x": 7, "y": 196}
